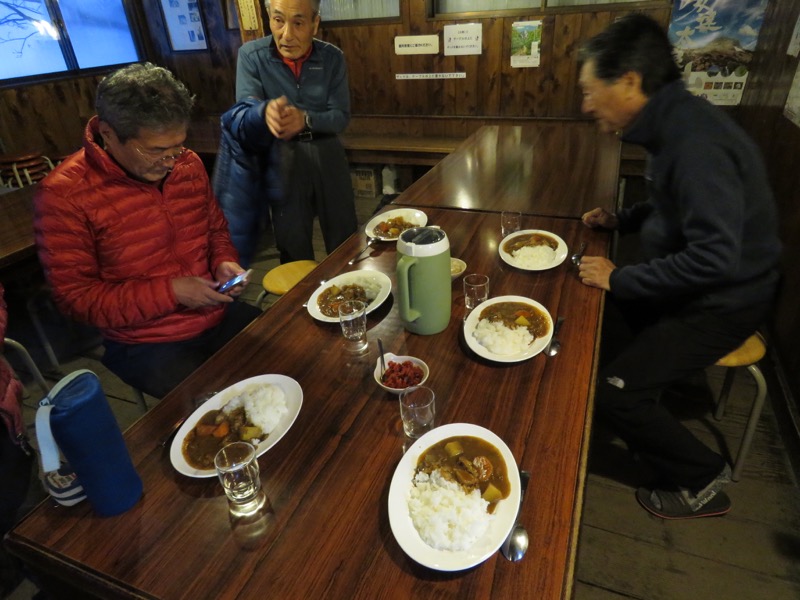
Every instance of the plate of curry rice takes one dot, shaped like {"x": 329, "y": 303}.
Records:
{"x": 373, "y": 287}
{"x": 508, "y": 329}
{"x": 267, "y": 408}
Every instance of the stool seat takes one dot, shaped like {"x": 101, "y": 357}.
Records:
{"x": 752, "y": 351}
{"x": 747, "y": 355}
{"x": 284, "y": 277}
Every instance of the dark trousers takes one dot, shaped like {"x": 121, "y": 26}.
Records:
{"x": 156, "y": 369}
{"x": 651, "y": 348}
{"x": 315, "y": 181}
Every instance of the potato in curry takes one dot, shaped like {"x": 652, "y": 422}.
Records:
{"x": 518, "y": 314}
{"x": 214, "y": 430}
{"x": 329, "y": 300}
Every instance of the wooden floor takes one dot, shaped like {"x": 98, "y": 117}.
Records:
{"x": 623, "y": 552}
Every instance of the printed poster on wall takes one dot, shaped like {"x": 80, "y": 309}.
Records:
{"x": 184, "y": 24}
{"x": 714, "y": 41}
{"x": 525, "y": 39}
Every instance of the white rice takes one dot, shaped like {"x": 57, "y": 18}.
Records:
{"x": 444, "y": 515}
{"x": 371, "y": 286}
{"x": 264, "y": 405}
{"x": 534, "y": 257}
{"x": 499, "y": 339}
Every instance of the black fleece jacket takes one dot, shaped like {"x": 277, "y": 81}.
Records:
{"x": 709, "y": 226}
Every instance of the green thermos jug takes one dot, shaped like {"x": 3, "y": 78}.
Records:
{"x": 423, "y": 279}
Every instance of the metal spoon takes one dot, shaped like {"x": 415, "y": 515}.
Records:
{"x": 516, "y": 544}
{"x": 578, "y": 256}
{"x": 383, "y": 360}
{"x": 554, "y": 345}
{"x": 370, "y": 241}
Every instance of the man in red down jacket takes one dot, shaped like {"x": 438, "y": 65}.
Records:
{"x": 132, "y": 239}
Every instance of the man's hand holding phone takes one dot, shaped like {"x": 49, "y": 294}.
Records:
{"x": 237, "y": 280}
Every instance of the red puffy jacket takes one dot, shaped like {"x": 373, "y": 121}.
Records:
{"x": 110, "y": 245}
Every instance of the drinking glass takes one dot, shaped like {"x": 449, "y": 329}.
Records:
{"x": 417, "y": 410}
{"x": 353, "y": 319}
{"x": 510, "y": 222}
{"x": 237, "y": 468}
{"x": 476, "y": 289}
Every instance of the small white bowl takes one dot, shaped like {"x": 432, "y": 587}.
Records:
{"x": 399, "y": 359}
{"x": 457, "y": 268}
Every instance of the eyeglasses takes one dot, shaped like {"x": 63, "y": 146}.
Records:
{"x": 158, "y": 160}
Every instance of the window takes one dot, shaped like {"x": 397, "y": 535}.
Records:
{"x": 345, "y": 10}
{"x": 39, "y": 37}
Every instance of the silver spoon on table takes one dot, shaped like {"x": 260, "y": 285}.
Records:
{"x": 554, "y": 345}
{"x": 370, "y": 241}
{"x": 516, "y": 544}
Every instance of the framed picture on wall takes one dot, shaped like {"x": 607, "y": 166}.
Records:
{"x": 231, "y": 16}
{"x": 184, "y": 25}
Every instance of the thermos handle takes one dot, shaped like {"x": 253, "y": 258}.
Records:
{"x": 407, "y": 313}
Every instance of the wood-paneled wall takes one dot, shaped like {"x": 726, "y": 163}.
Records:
{"x": 51, "y": 116}
{"x": 761, "y": 113}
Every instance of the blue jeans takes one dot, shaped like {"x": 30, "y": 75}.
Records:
{"x": 156, "y": 369}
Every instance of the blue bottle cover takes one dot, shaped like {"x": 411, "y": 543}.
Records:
{"x": 89, "y": 437}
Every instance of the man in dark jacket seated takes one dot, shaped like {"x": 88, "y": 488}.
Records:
{"x": 132, "y": 239}
{"x": 710, "y": 245}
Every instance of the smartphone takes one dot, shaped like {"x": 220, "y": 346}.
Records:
{"x": 234, "y": 281}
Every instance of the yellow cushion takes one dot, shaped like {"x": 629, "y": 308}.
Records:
{"x": 749, "y": 353}
{"x": 284, "y": 277}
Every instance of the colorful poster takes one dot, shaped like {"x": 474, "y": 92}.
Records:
{"x": 714, "y": 42}
{"x": 525, "y": 39}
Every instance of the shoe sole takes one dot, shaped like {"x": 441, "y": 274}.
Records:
{"x": 718, "y": 506}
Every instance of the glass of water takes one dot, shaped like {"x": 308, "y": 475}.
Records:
{"x": 238, "y": 472}
{"x": 353, "y": 319}
{"x": 476, "y": 289}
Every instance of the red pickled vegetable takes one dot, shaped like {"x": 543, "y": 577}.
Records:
{"x": 402, "y": 375}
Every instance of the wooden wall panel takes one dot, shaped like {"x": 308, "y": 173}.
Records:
{"x": 491, "y": 88}
{"x": 761, "y": 113}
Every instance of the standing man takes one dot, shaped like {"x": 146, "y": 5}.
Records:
{"x": 132, "y": 239}
{"x": 303, "y": 101}
{"x": 709, "y": 271}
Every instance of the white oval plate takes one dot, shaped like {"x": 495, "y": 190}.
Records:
{"x": 293, "y": 394}
{"x": 471, "y": 323}
{"x": 412, "y": 215}
{"x": 353, "y": 277}
{"x": 505, "y": 514}
{"x": 561, "y": 251}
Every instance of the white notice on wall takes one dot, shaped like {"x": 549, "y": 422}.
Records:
{"x": 430, "y": 76}
{"x": 525, "y": 39}
{"x": 792, "y": 109}
{"x": 247, "y": 14}
{"x": 416, "y": 44}
{"x": 463, "y": 39}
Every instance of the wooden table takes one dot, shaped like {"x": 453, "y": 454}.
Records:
{"x": 328, "y": 478}
{"x": 551, "y": 168}
{"x": 16, "y": 225}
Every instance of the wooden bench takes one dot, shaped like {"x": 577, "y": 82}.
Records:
{"x": 361, "y": 148}
{"x": 397, "y": 149}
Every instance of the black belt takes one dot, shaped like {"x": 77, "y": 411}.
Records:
{"x": 310, "y": 136}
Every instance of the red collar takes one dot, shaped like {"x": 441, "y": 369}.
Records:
{"x": 297, "y": 65}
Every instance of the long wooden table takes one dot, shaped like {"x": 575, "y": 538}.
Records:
{"x": 328, "y": 478}
{"x": 551, "y": 168}
{"x": 16, "y": 225}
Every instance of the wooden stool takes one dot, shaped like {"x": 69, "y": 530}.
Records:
{"x": 746, "y": 355}
{"x": 284, "y": 277}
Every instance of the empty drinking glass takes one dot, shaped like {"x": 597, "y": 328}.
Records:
{"x": 417, "y": 409}
{"x": 510, "y": 222}
{"x": 237, "y": 468}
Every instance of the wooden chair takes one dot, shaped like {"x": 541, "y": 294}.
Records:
{"x": 26, "y": 358}
{"x": 284, "y": 277}
{"x": 746, "y": 355}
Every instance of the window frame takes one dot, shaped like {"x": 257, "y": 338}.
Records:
{"x": 73, "y": 70}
